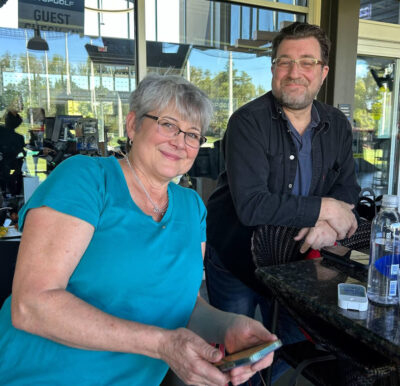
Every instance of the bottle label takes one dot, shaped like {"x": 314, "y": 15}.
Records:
{"x": 388, "y": 242}
{"x": 380, "y": 240}
{"x": 393, "y": 288}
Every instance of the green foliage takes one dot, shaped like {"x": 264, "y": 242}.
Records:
{"x": 368, "y": 101}
{"x": 9, "y": 99}
{"x": 31, "y": 88}
{"x": 363, "y": 119}
{"x": 217, "y": 88}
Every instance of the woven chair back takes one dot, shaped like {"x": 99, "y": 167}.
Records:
{"x": 275, "y": 244}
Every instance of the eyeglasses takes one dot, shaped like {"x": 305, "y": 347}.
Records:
{"x": 305, "y": 64}
{"x": 168, "y": 129}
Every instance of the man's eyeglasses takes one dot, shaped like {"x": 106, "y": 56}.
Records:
{"x": 305, "y": 64}
{"x": 168, "y": 129}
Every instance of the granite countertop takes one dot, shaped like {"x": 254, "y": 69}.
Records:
{"x": 309, "y": 288}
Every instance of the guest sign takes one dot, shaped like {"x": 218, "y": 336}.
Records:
{"x": 52, "y": 15}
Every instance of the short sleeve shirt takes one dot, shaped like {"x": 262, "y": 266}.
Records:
{"x": 134, "y": 268}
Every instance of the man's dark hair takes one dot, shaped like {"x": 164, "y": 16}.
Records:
{"x": 300, "y": 30}
{"x": 12, "y": 121}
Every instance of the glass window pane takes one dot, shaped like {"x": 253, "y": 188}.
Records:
{"x": 374, "y": 135}
{"x": 223, "y": 48}
{"x": 89, "y": 75}
{"x": 387, "y": 11}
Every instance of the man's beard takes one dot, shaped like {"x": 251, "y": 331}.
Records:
{"x": 292, "y": 101}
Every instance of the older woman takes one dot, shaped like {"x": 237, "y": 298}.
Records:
{"x": 110, "y": 263}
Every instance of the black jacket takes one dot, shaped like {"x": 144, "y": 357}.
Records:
{"x": 11, "y": 143}
{"x": 261, "y": 163}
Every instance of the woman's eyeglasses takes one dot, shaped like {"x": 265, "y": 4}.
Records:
{"x": 168, "y": 129}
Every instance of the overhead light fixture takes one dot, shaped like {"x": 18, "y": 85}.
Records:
{"x": 37, "y": 43}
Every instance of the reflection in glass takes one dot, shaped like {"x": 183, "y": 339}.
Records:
{"x": 228, "y": 50}
{"x": 387, "y": 11}
{"x": 374, "y": 136}
{"x": 90, "y": 75}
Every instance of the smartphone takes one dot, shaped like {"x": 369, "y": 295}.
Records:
{"x": 352, "y": 297}
{"x": 247, "y": 356}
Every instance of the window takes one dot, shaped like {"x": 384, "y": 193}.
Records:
{"x": 375, "y": 132}
{"x": 387, "y": 11}
{"x": 88, "y": 74}
{"x": 222, "y": 48}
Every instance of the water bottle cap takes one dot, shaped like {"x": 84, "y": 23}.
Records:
{"x": 390, "y": 200}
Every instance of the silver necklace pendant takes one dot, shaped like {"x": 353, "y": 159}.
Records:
{"x": 156, "y": 209}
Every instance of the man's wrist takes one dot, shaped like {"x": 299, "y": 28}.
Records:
{"x": 326, "y": 208}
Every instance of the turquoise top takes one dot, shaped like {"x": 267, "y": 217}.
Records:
{"x": 134, "y": 268}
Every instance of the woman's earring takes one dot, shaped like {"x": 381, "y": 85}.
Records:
{"x": 130, "y": 142}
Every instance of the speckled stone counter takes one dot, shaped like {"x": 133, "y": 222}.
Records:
{"x": 308, "y": 289}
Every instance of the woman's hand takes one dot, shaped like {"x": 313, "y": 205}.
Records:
{"x": 244, "y": 333}
{"x": 237, "y": 332}
{"x": 191, "y": 358}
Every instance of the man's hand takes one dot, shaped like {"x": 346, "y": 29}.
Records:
{"x": 338, "y": 214}
{"x": 322, "y": 235}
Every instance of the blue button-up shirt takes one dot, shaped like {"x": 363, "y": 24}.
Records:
{"x": 303, "y": 143}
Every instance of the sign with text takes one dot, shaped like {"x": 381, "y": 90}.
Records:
{"x": 345, "y": 108}
{"x": 52, "y": 15}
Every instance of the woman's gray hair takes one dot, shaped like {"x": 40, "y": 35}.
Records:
{"x": 157, "y": 92}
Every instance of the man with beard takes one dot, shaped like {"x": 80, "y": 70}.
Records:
{"x": 289, "y": 162}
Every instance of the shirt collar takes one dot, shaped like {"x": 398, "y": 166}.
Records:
{"x": 315, "y": 119}
{"x": 320, "y": 111}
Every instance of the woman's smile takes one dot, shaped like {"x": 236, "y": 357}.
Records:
{"x": 170, "y": 156}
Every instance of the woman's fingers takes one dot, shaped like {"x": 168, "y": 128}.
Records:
{"x": 244, "y": 373}
{"x": 189, "y": 356}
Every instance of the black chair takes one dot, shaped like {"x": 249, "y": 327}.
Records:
{"x": 274, "y": 244}
{"x": 360, "y": 241}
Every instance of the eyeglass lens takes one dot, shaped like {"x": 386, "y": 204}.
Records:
{"x": 303, "y": 63}
{"x": 169, "y": 129}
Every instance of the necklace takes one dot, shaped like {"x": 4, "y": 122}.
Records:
{"x": 156, "y": 208}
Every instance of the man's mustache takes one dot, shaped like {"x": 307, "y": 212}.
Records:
{"x": 301, "y": 82}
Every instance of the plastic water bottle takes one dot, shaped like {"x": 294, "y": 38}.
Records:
{"x": 384, "y": 254}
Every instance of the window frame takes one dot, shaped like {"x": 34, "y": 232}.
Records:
{"x": 312, "y": 12}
